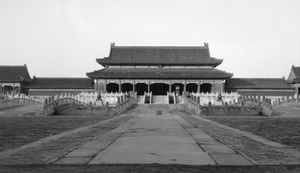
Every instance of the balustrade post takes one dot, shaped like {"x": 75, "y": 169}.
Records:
{"x": 118, "y": 105}
{"x": 45, "y": 106}
{"x": 209, "y": 109}
{"x": 91, "y": 107}
{"x": 226, "y": 109}
{"x": 74, "y": 107}
{"x": 242, "y": 108}
{"x": 107, "y": 108}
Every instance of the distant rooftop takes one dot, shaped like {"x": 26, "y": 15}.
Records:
{"x": 257, "y": 83}
{"x": 61, "y": 83}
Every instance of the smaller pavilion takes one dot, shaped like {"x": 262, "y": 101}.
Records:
{"x": 13, "y": 79}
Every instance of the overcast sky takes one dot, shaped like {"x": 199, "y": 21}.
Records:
{"x": 63, "y": 38}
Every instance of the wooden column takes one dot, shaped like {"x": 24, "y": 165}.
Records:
{"x": 184, "y": 87}
{"x": 170, "y": 87}
{"x": 97, "y": 85}
{"x": 14, "y": 87}
{"x": 148, "y": 87}
{"x": 198, "y": 88}
{"x": 105, "y": 86}
{"x": 133, "y": 86}
{"x": 120, "y": 86}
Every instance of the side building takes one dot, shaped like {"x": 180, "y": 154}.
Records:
{"x": 43, "y": 87}
{"x": 159, "y": 70}
{"x": 270, "y": 87}
{"x": 13, "y": 78}
{"x": 294, "y": 79}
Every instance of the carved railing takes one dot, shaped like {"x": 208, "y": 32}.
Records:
{"x": 245, "y": 106}
{"x": 285, "y": 100}
{"x": 124, "y": 100}
{"x": 18, "y": 100}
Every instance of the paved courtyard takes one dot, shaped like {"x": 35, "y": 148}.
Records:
{"x": 163, "y": 134}
{"x": 154, "y": 136}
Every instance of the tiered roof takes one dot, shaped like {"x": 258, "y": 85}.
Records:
{"x": 17, "y": 73}
{"x": 160, "y": 73}
{"x": 160, "y": 55}
{"x": 61, "y": 83}
{"x": 160, "y": 58}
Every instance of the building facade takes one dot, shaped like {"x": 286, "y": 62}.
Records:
{"x": 159, "y": 70}
{"x": 271, "y": 87}
{"x": 44, "y": 87}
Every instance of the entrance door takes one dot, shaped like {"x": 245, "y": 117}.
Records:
{"x": 159, "y": 89}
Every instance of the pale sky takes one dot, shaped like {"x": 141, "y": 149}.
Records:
{"x": 63, "y": 38}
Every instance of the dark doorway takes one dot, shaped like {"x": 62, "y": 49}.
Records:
{"x": 191, "y": 87}
{"x": 159, "y": 89}
{"x": 141, "y": 88}
{"x": 127, "y": 87}
{"x": 8, "y": 90}
{"x": 205, "y": 88}
{"x": 177, "y": 85}
{"x": 112, "y": 87}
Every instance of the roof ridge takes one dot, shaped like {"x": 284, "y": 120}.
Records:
{"x": 12, "y": 65}
{"x": 166, "y": 47}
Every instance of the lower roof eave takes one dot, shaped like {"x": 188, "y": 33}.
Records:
{"x": 147, "y": 78}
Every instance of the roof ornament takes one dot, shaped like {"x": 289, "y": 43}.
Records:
{"x": 205, "y": 45}
{"x": 112, "y": 44}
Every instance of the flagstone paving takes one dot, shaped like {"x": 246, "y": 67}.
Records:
{"x": 152, "y": 137}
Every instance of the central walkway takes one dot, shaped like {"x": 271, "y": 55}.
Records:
{"x": 155, "y": 136}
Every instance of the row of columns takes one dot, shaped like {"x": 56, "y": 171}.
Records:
{"x": 106, "y": 82}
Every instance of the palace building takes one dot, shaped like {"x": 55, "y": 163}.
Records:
{"x": 159, "y": 70}
{"x": 150, "y": 69}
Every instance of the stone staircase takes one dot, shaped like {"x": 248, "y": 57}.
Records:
{"x": 140, "y": 99}
{"x": 160, "y": 99}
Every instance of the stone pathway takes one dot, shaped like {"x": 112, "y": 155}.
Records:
{"x": 154, "y": 136}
